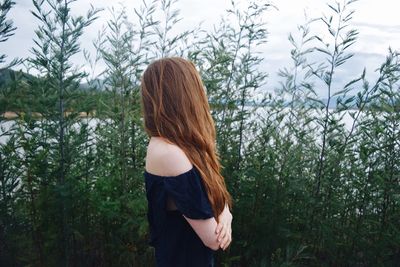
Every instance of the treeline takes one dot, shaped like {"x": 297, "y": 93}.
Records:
{"x": 307, "y": 191}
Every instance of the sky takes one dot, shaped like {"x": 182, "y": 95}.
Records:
{"x": 378, "y": 24}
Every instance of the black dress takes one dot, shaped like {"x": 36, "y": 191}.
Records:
{"x": 175, "y": 242}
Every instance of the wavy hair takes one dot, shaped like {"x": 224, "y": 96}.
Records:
{"x": 175, "y": 107}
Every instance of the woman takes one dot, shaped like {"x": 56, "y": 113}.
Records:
{"x": 188, "y": 203}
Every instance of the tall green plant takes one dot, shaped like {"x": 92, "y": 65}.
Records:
{"x": 229, "y": 64}
{"x": 308, "y": 191}
{"x": 57, "y": 40}
{"x": 7, "y": 29}
{"x": 119, "y": 140}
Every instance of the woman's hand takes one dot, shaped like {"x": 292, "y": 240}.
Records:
{"x": 224, "y": 230}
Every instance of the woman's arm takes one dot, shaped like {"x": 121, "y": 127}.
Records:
{"x": 169, "y": 160}
{"x": 214, "y": 235}
{"x": 205, "y": 229}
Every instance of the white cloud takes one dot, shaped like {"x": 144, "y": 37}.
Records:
{"x": 377, "y": 22}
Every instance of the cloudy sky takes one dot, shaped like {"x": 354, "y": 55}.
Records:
{"x": 377, "y": 21}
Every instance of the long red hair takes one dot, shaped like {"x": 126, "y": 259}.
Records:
{"x": 175, "y": 107}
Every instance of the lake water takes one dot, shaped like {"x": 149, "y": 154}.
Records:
{"x": 347, "y": 120}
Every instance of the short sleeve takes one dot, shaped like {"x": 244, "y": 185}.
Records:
{"x": 188, "y": 192}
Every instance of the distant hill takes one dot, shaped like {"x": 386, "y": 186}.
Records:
{"x": 9, "y": 75}
{"x": 333, "y": 102}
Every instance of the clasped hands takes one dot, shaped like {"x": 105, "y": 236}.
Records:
{"x": 223, "y": 229}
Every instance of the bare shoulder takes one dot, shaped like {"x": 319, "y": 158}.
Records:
{"x": 166, "y": 159}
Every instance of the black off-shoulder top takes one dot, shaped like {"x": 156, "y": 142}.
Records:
{"x": 174, "y": 240}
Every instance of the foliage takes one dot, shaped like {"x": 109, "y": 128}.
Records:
{"x": 307, "y": 190}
